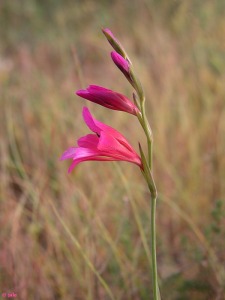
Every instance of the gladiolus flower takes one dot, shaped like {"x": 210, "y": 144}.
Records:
{"x": 108, "y": 98}
{"x": 107, "y": 144}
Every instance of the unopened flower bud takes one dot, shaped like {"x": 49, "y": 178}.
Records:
{"x": 114, "y": 42}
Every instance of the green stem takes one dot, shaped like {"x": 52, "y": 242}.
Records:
{"x": 156, "y": 292}
{"x": 147, "y": 130}
{"x": 153, "y": 248}
{"x": 145, "y": 125}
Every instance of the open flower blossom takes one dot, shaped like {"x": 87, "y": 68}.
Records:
{"x": 106, "y": 144}
{"x": 108, "y": 98}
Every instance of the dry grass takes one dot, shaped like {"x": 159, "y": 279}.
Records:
{"x": 85, "y": 236}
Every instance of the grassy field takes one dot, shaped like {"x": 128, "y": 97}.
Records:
{"x": 86, "y": 236}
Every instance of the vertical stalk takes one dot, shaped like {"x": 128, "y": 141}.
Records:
{"x": 153, "y": 248}
{"x": 145, "y": 125}
{"x": 156, "y": 292}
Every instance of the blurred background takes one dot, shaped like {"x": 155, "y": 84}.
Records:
{"x": 86, "y": 236}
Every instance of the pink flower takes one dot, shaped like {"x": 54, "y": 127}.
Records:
{"x": 122, "y": 64}
{"x": 107, "y": 144}
{"x": 108, "y": 98}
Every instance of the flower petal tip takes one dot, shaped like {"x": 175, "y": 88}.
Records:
{"x": 79, "y": 92}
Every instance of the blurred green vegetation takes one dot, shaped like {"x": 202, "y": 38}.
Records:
{"x": 85, "y": 236}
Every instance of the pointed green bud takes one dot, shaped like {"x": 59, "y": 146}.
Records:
{"x": 115, "y": 43}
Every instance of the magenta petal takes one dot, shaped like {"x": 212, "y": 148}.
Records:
{"x": 69, "y": 153}
{"x": 97, "y": 88}
{"x": 108, "y": 98}
{"x": 89, "y": 120}
{"x": 72, "y": 166}
{"x": 98, "y": 95}
{"x": 92, "y": 89}
{"x": 121, "y": 62}
{"x": 84, "y": 154}
{"x": 88, "y": 141}
{"x": 75, "y": 162}
{"x": 107, "y": 143}
{"x": 82, "y": 93}
{"x": 91, "y": 158}
{"x": 124, "y": 66}
{"x": 116, "y": 134}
